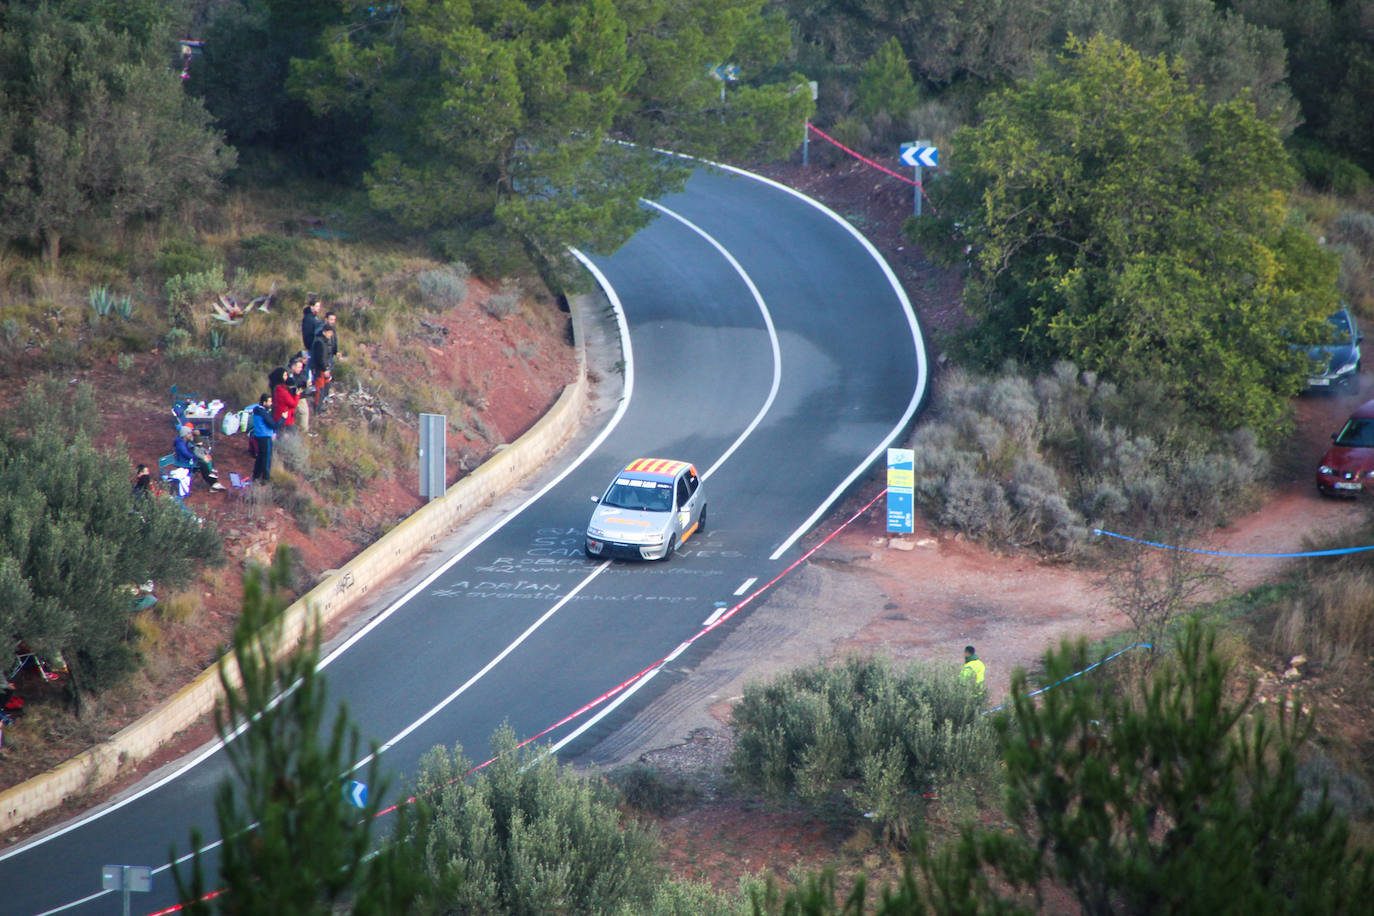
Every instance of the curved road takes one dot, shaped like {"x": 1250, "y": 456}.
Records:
{"x": 767, "y": 343}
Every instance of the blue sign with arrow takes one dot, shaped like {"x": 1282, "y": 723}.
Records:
{"x": 919, "y": 156}
{"x": 355, "y": 793}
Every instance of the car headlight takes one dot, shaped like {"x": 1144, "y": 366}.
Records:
{"x": 1323, "y": 469}
{"x": 597, "y": 533}
{"x": 1345, "y": 369}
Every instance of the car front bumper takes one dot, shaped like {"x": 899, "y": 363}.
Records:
{"x": 619, "y": 551}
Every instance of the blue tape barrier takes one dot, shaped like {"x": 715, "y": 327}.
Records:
{"x": 1036, "y": 693}
{"x": 1338, "y": 551}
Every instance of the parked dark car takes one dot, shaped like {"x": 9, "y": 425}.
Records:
{"x": 1347, "y": 468}
{"x": 1336, "y": 363}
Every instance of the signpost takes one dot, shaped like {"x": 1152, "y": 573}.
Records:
{"x": 919, "y": 155}
{"x": 726, "y": 73}
{"x": 806, "y": 128}
{"x": 126, "y": 878}
{"x": 433, "y": 455}
{"x": 901, "y": 490}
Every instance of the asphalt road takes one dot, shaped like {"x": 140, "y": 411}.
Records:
{"x": 767, "y": 344}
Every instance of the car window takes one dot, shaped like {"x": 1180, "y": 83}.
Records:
{"x": 683, "y": 493}
{"x": 1341, "y": 322}
{"x": 1357, "y": 433}
{"x": 692, "y": 482}
{"x": 639, "y": 495}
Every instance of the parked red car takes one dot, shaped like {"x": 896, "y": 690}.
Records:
{"x": 1347, "y": 468}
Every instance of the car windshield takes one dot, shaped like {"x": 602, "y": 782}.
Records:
{"x": 640, "y": 495}
{"x": 1358, "y": 433}
{"x": 1340, "y": 321}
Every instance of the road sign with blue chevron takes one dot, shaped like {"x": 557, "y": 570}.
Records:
{"x": 919, "y": 156}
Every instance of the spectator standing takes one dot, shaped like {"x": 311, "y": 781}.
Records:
{"x": 189, "y": 454}
{"x": 264, "y": 431}
{"x": 973, "y": 669}
{"x": 331, "y": 320}
{"x": 322, "y": 365}
{"x": 284, "y": 400}
{"x": 298, "y": 377}
{"x": 311, "y": 322}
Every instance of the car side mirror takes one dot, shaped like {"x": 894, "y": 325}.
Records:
{"x": 1333, "y": 439}
{"x": 596, "y": 499}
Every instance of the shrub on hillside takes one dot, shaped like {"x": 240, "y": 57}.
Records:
{"x": 1022, "y": 461}
{"x": 186, "y": 292}
{"x": 444, "y": 287}
{"x": 74, "y": 537}
{"x": 501, "y": 305}
{"x": 528, "y": 836}
{"x": 865, "y": 732}
{"x": 269, "y": 254}
{"x": 182, "y": 256}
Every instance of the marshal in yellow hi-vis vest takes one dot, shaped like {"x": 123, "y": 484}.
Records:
{"x": 973, "y": 667}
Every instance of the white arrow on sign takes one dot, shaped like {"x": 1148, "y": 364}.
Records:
{"x": 919, "y": 156}
{"x": 355, "y": 793}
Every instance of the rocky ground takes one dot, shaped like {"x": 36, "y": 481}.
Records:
{"x": 922, "y": 599}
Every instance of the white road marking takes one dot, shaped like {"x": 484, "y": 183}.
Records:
{"x": 744, "y": 586}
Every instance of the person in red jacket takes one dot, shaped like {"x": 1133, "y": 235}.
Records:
{"x": 285, "y": 397}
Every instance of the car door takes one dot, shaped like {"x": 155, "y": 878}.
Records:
{"x": 689, "y": 502}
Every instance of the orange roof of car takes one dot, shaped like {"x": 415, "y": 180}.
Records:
{"x": 656, "y": 467}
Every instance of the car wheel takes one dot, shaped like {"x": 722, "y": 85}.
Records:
{"x": 701, "y": 522}
{"x": 672, "y": 549}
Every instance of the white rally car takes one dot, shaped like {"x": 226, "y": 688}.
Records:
{"x": 650, "y": 508}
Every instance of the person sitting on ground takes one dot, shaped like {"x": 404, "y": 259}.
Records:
{"x": 284, "y": 400}
{"x": 195, "y": 456}
{"x": 143, "y": 484}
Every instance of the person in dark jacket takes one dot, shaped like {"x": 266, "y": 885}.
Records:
{"x": 311, "y": 322}
{"x": 322, "y": 365}
{"x": 298, "y": 377}
{"x": 264, "y": 431}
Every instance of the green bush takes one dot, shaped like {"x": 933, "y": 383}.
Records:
{"x": 275, "y": 254}
{"x": 445, "y": 287}
{"x": 185, "y": 291}
{"x": 74, "y": 538}
{"x": 530, "y": 837}
{"x": 1037, "y": 462}
{"x": 863, "y": 731}
{"x": 1329, "y": 171}
{"x": 645, "y": 789}
{"x": 183, "y": 256}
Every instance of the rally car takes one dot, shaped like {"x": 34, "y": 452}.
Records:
{"x": 650, "y": 508}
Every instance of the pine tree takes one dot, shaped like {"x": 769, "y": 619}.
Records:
{"x": 292, "y": 842}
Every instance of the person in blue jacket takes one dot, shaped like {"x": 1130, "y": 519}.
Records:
{"x": 186, "y": 452}
{"x": 264, "y": 431}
